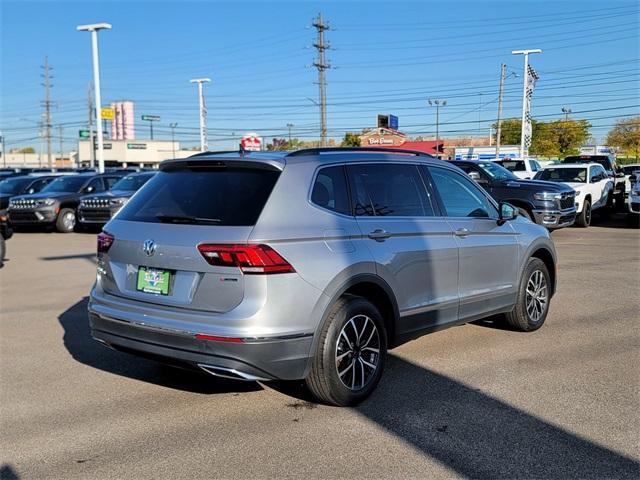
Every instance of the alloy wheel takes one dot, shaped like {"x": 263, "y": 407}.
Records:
{"x": 537, "y": 297}
{"x": 357, "y": 352}
{"x": 69, "y": 220}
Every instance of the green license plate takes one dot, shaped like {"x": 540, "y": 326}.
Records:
{"x": 152, "y": 280}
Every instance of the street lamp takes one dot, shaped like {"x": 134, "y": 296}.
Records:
{"x": 94, "y": 28}
{"x": 173, "y": 126}
{"x": 437, "y": 104}
{"x": 566, "y": 111}
{"x": 525, "y": 75}
{"x": 290, "y": 126}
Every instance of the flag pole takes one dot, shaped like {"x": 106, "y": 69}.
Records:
{"x": 525, "y": 109}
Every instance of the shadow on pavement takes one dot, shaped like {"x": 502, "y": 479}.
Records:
{"x": 78, "y": 342}
{"x": 479, "y": 436}
{"x": 91, "y": 257}
{"x": 8, "y": 473}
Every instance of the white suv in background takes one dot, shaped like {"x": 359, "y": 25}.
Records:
{"x": 590, "y": 181}
{"x": 521, "y": 168}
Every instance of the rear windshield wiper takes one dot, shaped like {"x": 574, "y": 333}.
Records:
{"x": 188, "y": 219}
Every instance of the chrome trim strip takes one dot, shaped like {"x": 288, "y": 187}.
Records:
{"x": 233, "y": 373}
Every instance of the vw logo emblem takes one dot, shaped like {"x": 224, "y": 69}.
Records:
{"x": 149, "y": 247}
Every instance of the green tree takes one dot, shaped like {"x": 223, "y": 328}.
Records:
{"x": 27, "y": 150}
{"x": 626, "y": 136}
{"x": 350, "y": 140}
{"x": 509, "y": 131}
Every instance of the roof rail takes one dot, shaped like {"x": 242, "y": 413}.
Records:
{"x": 320, "y": 150}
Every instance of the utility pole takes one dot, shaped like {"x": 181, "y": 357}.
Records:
{"x": 437, "y": 104}
{"x": 92, "y": 146}
{"x": 4, "y": 151}
{"x": 204, "y": 144}
{"x": 290, "y": 126}
{"x": 321, "y": 64}
{"x": 524, "y": 95}
{"x": 47, "y": 108}
{"x": 503, "y": 75}
{"x": 566, "y": 111}
{"x": 94, "y": 29}
{"x": 61, "y": 129}
{"x": 173, "y": 126}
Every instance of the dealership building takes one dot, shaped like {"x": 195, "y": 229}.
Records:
{"x": 132, "y": 153}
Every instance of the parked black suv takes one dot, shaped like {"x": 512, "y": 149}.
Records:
{"x": 98, "y": 209}
{"x": 55, "y": 205}
{"x": 615, "y": 173}
{"x": 5, "y": 234}
{"x": 549, "y": 204}
{"x": 24, "y": 185}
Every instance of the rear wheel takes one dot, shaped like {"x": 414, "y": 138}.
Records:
{"x": 66, "y": 220}
{"x": 584, "y": 218}
{"x": 350, "y": 355}
{"x": 534, "y": 293}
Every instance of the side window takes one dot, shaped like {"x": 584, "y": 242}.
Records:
{"x": 111, "y": 181}
{"x": 97, "y": 185}
{"x": 39, "y": 185}
{"x": 460, "y": 197}
{"x": 394, "y": 190}
{"x": 535, "y": 166}
{"x": 330, "y": 190}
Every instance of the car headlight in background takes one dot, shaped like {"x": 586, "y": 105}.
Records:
{"x": 547, "y": 196}
{"x": 118, "y": 201}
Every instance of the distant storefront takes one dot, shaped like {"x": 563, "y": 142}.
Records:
{"x": 385, "y": 137}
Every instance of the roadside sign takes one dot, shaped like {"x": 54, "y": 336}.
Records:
{"x": 137, "y": 146}
{"x": 107, "y": 113}
{"x": 393, "y": 122}
{"x": 83, "y": 133}
{"x": 251, "y": 142}
{"x": 151, "y": 118}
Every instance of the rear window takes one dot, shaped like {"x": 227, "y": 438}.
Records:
{"x": 229, "y": 197}
{"x": 574, "y": 175}
{"x": 513, "y": 165}
{"x": 330, "y": 190}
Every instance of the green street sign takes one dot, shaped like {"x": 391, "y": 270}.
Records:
{"x": 151, "y": 118}
{"x": 83, "y": 133}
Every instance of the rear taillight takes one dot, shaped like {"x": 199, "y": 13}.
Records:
{"x": 105, "y": 240}
{"x": 251, "y": 259}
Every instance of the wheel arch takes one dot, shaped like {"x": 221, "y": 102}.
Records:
{"x": 549, "y": 260}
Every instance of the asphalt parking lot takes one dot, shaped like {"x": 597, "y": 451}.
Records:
{"x": 473, "y": 401}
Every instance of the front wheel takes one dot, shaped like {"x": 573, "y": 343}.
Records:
{"x": 584, "y": 218}
{"x": 534, "y": 294}
{"x": 66, "y": 221}
{"x": 350, "y": 355}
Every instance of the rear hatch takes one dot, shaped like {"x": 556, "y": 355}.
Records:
{"x": 167, "y": 244}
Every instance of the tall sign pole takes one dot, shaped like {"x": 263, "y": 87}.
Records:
{"x": 94, "y": 28}
{"x": 204, "y": 144}
{"x": 525, "y": 83}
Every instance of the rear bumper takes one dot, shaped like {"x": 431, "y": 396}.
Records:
{"x": 553, "y": 219}
{"x": 282, "y": 357}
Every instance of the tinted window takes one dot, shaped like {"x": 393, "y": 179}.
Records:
{"x": 388, "y": 190}
{"x": 575, "y": 175}
{"x": 535, "y": 166}
{"x": 131, "y": 182}
{"x": 460, "y": 197}
{"x": 65, "y": 184}
{"x": 96, "y": 184}
{"x": 496, "y": 172}
{"x": 111, "y": 181}
{"x": 231, "y": 196}
{"x": 330, "y": 190}
{"x": 601, "y": 159}
{"x": 513, "y": 165}
{"x": 39, "y": 184}
{"x": 14, "y": 186}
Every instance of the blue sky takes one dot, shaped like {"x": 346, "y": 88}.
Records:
{"x": 389, "y": 57}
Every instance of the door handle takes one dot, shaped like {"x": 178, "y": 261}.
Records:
{"x": 379, "y": 235}
{"x": 462, "y": 232}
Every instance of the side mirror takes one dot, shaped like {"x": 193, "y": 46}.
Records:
{"x": 507, "y": 212}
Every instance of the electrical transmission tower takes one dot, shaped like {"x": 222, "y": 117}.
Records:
{"x": 47, "y": 107}
{"x": 321, "y": 64}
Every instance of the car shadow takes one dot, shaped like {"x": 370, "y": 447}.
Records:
{"x": 78, "y": 342}
{"x": 479, "y": 436}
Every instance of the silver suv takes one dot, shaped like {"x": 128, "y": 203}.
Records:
{"x": 311, "y": 264}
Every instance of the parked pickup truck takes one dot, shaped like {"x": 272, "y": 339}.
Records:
{"x": 593, "y": 186}
{"x": 615, "y": 173}
{"x": 521, "y": 168}
{"x": 545, "y": 203}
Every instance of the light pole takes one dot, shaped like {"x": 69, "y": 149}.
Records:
{"x": 94, "y": 28}
{"x": 173, "y": 126}
{"x": 290, "y": 126}
{"x": 524, "y": 92}
{"x": 437, "y": 104}
{"x": 566, "y": 111}
{"x": 203, "y": 114}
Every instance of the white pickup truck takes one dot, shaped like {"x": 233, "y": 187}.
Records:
{"x": 590, "y": 181}
{"x": 521, "y": 168}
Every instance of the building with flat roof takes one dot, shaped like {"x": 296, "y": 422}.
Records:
{"x": 133, "y": 153}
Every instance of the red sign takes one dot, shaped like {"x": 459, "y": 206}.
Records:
{"x": 251, "y": 142}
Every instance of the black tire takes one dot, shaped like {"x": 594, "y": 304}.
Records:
{"x": 3, "y": 250}
{"x": 324, "y": 381}
{"x": 524, "y": 213}
{"x": 520, "y": 317}
{"x": 584, "y": 219}
{"x": 63, "y": 222}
